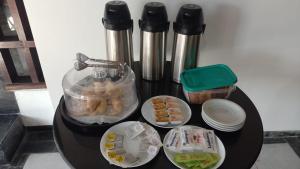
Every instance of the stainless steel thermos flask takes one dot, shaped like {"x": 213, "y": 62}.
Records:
{"x": 118, "y": 32}
{"x": 187, "y": 32}
{"x": 154, "y": 27}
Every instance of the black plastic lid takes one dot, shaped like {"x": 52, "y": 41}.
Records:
{"x": 117, "y": 16}
{"x": 154, "y": 18}
{"x": 189, "y": 20}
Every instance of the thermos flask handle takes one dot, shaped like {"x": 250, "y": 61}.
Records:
{"x": 203, "y": 28}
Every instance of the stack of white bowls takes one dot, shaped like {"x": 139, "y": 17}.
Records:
{"x": 223, "y": 115}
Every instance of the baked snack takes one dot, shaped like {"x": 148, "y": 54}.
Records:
{"x": 101, "y": 98}
{"x": 117, "y": 106}
{"x": 159, "y": 106}
{"x": 157, "y": 101}
{"x": 99, "y": 88}
{"x": 161, "y": 113}
{"x": 167, "y": 111}
{"x": 102, "y": 106}
{"x": 112, "y": 90}
{"x": 90, "y": 102}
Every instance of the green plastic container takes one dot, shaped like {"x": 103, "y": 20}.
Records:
{"x": 203, "y": 83}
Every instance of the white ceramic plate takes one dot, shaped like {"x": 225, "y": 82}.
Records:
{"x": 222, "y": 128}
{"x": 204, "y": 117}
{"x": 224, "y": 112}
{"x": 130, "y": 145}
{"x": 215, "y": 125}
{"x": 148, "y": 111}
{"x": 222, "y": 152}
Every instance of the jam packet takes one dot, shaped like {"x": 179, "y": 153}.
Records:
{"x": 114, "y": 137}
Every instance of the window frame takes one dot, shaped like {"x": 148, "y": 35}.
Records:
{"x": 24, "y": 44}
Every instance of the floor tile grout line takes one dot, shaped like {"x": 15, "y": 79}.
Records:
{"x": 35, "y": 133}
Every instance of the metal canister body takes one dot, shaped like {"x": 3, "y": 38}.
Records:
{"x": 188, "y": 28}
{"x": 119, "y": 46}
{"x": 153, "y": 54}
{"x": 154, "y": 27}
{"x": 118, "y": 32}
{"x": 185, "y": 54}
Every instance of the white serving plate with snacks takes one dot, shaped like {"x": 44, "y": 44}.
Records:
{"x": 129, "y": 145}
{"x": 148, "y": 111}
{"x": 170, "y": 155}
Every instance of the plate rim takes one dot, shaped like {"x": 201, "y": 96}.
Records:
{"x": 230, "y": 126}
{"x": 223, "y": 130}
{"x": 243, "y": 112}
{"x": 125, "y": 166}
{"x": 168, "y": 127}
{"x": 206, "y": 120}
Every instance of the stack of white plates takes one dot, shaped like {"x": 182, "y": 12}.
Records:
{"x": 223, "y": 115}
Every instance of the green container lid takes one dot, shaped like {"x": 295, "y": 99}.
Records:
{"x": 207, "y": 77}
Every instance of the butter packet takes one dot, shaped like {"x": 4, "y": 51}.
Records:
{"x": 197, "y": 139}
{"x": 192, "y": 139}
{"x": 134, "y": 130}
{"x": 173, "y": 141}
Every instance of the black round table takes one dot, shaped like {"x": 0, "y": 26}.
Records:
{"x": 82, "y": 151}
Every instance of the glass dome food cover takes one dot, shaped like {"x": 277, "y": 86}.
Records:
{"x": 99, "y": 91}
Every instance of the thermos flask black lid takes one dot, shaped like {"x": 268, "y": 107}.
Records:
{"x": 154, "y": 18}
{"x": 189, "y": 20}
{"x": 117, "y": 16}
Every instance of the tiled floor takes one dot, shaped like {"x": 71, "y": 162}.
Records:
{"x": 278, "y": 156}
{"x": 35, "y": 141}
{"x": 38, "y": 149}
{"x": 272, "y": 156}
{"x": 50, "y": 161}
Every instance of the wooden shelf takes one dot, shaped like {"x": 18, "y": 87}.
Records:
{"x": 17, "y": 44}
{"x": 23, "y": 86}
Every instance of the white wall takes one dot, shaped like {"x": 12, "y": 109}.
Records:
{"x": 35, "y": 107}
{"x": 258, "y": 39}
